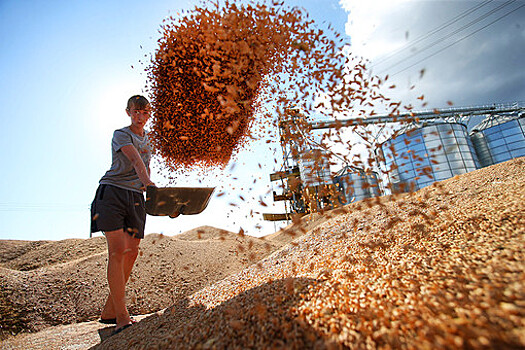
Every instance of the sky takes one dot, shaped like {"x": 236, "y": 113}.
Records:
{"x": 471, "y": 51}
{"x": 68, "y": 68}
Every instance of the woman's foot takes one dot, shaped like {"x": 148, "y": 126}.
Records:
{"x": 107, "y": 317}
{"x": 113, "y": 320}
{"x": 107, "y": 320}
{"x": 120, "y": 329}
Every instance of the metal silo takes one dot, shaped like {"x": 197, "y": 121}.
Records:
{"x": 355, "y": 184}
{"x": 314, "y": 167}
{"x": 499, "y": 138}
{"x": 433, "y": 152}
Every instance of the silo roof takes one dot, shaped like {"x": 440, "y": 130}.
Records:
{"x": 417, "y": 126}
{"x": 493, "y": 120}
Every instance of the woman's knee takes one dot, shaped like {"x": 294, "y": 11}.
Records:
{"x": 132, "y": 247}
{"x": 117, "y": 244}
{"x": 117, "y": 254}
{"x": 131, "y": 252}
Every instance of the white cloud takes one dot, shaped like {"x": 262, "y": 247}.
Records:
{"x": 463, "y": 62}
{"x": 366, "y": 20}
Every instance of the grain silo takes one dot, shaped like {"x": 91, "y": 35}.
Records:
{"x": 499, "y": 138}
{"x": 417, "y": 157}
{"x": 355, "y": 184}
{"x": 314, "y": 167}
{"x": 318, "y": 191}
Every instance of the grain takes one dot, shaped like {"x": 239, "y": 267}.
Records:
{"x": 205, "y": 78}
{"x": 225, "y": 73}
{"x": 358, "y": 282}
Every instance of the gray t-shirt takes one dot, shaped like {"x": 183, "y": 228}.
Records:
{"x": 122, "y": 174}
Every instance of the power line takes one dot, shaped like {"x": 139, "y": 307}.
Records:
{"x": 432, "y": 32}
{"x": 457, "y": 31}
{"x": 459, "y": 40}
{"x": 41, "y": 207}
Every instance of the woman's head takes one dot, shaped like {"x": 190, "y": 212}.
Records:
{"x": 137, "y": 102}
{"x": 139, "y": 110}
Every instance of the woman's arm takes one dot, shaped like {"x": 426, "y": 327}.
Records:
{"x": 134, "y": 157}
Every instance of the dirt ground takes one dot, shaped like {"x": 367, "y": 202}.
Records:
{"x": 443, "y": 267}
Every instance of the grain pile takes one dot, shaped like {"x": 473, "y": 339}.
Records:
{"x": 12, "y": 249}
{"x": 32, "y": 255}
{"x": 443, "y": 267}
{"x": 64, "y": 282}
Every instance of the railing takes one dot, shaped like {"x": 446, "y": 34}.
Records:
{"x": 422, "y": 115}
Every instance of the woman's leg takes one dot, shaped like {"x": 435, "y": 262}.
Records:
{"x": 117, "y": 246}
{"x": 130, "y": 254}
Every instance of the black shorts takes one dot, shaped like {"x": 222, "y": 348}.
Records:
{"x": 116, "y": 208}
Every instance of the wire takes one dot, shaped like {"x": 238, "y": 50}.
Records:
{"x": 33, "y": 207}
{"x": 466, "y": 26}
{"x": 432, "y": 32}
{"x": 457, "y": 41}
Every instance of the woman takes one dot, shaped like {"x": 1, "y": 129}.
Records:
{"x": 118, "y": 209}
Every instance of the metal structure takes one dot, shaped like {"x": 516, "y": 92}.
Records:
{"x": 499, "y": 138}
{"x": 305, "y": 177}
{"x": 455, "y": 115}
{"x": 314, "y": 168}
{"x": 441, "y": 148}
{"x": 355, "y": 184}
{"x": 432, "y": 152}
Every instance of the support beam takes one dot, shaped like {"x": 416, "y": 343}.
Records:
{"x": 421, "y": 115}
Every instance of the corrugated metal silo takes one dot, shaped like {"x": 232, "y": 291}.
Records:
{"x": 314, "y": 167}
{"x": 499, "y": 138}
{"x": 355, "y": 184}
{"x": 433, "y": 152}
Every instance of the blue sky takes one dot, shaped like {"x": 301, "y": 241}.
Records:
{"x": 66, "y": 74}
{"x": 66, "y": 69}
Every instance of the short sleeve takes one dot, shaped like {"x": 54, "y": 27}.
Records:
{"x": 120, "y": 139}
